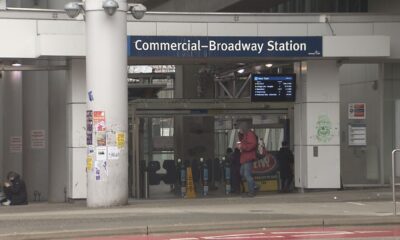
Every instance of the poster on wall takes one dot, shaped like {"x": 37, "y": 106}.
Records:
{"x": 38, "y": 139}
{"x": 101, "y": 139}
{"x": 357, "y": 110}
{"x": 15, "y": 144}
{"x": 101, "y": 153}
{"x": 99, "y": 119}
{"x": 111, "y": 138}
{"x": 89, "y": 127}
{"x": 112, "y": 153}
{"x": 357, "y": 135}
{"x": 120, "y": 139}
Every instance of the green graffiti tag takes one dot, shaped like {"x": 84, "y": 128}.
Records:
{"x": 324, "y": 129}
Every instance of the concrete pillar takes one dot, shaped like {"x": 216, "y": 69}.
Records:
{"x": 12, "y": 122}
{"x": 1, "y": 125}
{"x": 35, "y": 132}
{"x": 317, "y": 142}
{"x": 76, "y": 129}
{"x": 58, "y": 165}
{"x": 106, "y": 74}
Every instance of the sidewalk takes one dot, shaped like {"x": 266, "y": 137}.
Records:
{"x": 327, "y": 208}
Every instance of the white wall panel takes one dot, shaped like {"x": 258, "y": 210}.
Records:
{"x": 356, "y": 46}
{"x": 61, "y": 27}
{"x": 76, "y": 113}
{"x": 174, "y": 29}
{"x": 199, "y": 29}
{"x": 353, "y": 29}
{"x": 322, "y": 86}
{"x": 392, "y": 30}
{"x": 77, "y": 174}
{"x": 62, "y": 45}
{"x": 142, "y": 28}
{"x": 232, "y": 29}
{"x": 282, "y": 29}
{"x": 323, "y": 170}
{"x": 323, "y": 115}
{"x": 18, "y": 38}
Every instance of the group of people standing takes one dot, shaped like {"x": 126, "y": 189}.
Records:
{"x": 245, "y": 153}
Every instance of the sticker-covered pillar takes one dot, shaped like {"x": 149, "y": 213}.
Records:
{"x": 107, "y": 101}
{"x": 316, "y": 125}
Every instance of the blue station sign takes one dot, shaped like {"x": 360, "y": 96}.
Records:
{"x": 210, "y": 47}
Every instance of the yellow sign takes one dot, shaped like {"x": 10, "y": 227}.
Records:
{"x": 89, "y": 163}
{"x": 120, "y": 139}
{"x": 190, "y": 193}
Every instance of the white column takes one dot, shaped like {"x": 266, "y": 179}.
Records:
{"x": 12, "y": 122}
{"x": 58, "y": 165}
{"x": 76, "y": 134}
{"x": 317, "y": 142}
{"x": 106, "y": 74}
{"x": 35, "y": 132}
{"x": 1, "y": 124}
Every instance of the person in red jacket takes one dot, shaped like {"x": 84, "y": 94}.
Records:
{"x": 248, "y": 146}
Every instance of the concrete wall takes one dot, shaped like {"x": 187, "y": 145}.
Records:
{"x": 64, "y": 37}
{"x": 359, "y": 84}
{"x": 13, "y": 135}
{"x": 58, "y": 164}
{"x": 1, "y": 125}
{"x": 36, "y": 132}
{"x": 391, "y": 80}
{"x": 76, "y": 129}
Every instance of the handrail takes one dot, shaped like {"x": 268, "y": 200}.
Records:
{"x": 394, "y": 181}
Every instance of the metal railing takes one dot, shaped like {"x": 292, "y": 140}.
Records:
{"x": 394, "y": 181}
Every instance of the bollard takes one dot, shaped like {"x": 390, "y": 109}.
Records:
{"x": 182, "y": 176}
{"x": 227, "y": 176}
{"x": 204, "y": 177}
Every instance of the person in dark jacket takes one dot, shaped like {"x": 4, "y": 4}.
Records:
{"x": 286, "y": 162}
{"x": 15, "y": 190}
{"x": 234, "y": 159}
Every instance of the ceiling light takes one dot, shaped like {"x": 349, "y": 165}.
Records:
{"x": 240, "y": 70}
{"x": 269, "y": 65}
{"x": 16, "y": 64}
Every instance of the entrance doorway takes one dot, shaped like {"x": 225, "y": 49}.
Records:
{"x": 166, "y": 136}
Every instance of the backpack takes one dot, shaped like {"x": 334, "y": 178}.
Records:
{"x": 261, "y": 151}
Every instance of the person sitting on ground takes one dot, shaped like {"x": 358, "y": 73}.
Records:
{"x": 15, "y": 190}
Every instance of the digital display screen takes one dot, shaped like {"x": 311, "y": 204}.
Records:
{"x": 273, "y": 88}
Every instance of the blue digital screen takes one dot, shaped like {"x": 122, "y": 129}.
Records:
{"x": 273, "y": 88}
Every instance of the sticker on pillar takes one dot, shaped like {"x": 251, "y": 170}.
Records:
{"x": 101, "y": 138}
{"x": 120, "y": 139}
{"x": 101, "y": 153}
{"x": 324, "y": 129}
{"x": 89, "y": 127}
{"x": 89, "y": 163}
{"x": 104, "y": 165}
{"x": 90, "y": 94}
{"x": 97, "y": 174}
{"x": 15, "y": 144}
{"x": 38, "y": 140}
{"x": 112, "y": 152}
{"x": 111, "y": 138}
{"x": 99, "y": 119}
{"x": 90, "y": 150}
